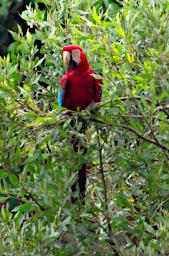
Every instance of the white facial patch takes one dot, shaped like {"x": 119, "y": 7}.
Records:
{"x": 76, "y": 56}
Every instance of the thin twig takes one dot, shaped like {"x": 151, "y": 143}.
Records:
{"x": 34, "y": 200}
{"x": 159, "y": 206}
{"x": 158, "y": 144}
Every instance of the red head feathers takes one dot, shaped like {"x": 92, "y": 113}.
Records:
{"x": 78, "y": 56}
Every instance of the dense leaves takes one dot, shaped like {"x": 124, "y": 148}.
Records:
{"x": 127, "y": 138}
{"x": 9, "y": 17}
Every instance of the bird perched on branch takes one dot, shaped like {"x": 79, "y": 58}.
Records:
{"x": 77, "y": 90}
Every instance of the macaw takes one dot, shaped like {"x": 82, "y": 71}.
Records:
{"x": 77, "y": 87}
{"x": 77, "y": 90}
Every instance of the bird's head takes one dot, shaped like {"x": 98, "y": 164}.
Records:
{"x": 74, "y": 57}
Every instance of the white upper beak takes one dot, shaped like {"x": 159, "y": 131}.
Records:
{"x": 66, "y": 58}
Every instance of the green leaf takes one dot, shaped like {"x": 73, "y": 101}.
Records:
{"x": 129, "y": 58}
{"x": 3, "y": 173}
{"x": 148, "y": 228}
{"x": 96, "y": 17}
{"x": 23, "y": 208}
{"x": 14, "y": 180}
{"x": 3, "y": 199}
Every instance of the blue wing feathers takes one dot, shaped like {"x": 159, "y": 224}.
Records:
{"x": 62, "y": 88}
{"x": 60, "y": 97}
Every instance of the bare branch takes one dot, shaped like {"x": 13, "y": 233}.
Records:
{"x": 158, "y": 144}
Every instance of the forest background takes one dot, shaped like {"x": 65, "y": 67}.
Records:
{"x": 126, "y": 209}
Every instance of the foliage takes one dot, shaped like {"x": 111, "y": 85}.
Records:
{"x": 126, "y": 207}
{"x": 9, "y": 17}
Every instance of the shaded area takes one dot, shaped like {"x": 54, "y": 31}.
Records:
{"x": 9, "y": 18}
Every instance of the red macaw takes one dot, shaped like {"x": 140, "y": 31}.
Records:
{"x": 77, "y": 90}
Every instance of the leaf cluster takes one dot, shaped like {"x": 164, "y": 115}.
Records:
{"x": 127, "y": 137}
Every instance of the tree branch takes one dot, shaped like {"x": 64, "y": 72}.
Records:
{"x": 158, "y": 144}
{"x": 105, "y": 196}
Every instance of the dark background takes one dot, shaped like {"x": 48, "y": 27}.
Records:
{"x": 9, "y": 18}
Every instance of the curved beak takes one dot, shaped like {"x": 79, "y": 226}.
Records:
{"x": 66, "y": 58}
